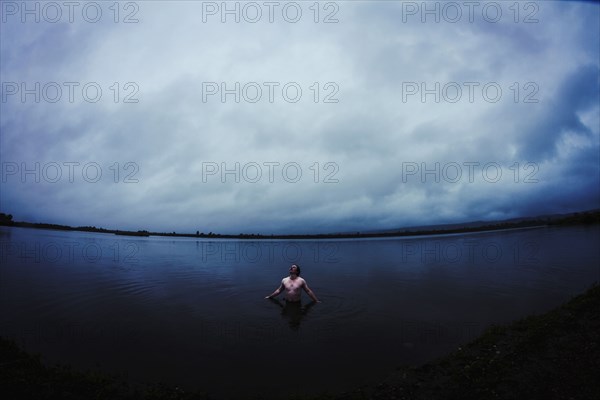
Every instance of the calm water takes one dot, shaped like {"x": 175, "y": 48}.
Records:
{"x": 192, "y": 312}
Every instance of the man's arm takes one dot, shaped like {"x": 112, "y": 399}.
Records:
{"x": 310, "y": 293}
{"x": 276, "y": 292}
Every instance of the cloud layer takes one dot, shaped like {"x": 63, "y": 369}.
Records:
{"x": 385, "y": 118}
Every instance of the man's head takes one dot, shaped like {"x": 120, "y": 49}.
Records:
{"x": 295, "y": 269}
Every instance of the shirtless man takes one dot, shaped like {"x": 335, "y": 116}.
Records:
{"x": 293, "y": 286}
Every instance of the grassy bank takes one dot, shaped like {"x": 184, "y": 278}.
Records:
{"x": 24, "y": 377}
{"x": 551, "y": 356}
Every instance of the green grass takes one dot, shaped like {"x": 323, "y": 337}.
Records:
{"x": 551, "y": 356}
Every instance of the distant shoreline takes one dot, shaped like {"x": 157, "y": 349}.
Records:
{"x": 586, "y": 217}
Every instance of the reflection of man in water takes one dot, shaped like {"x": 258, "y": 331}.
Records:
{"x": 293, "y": 286}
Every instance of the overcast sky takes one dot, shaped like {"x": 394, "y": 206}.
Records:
{"x": 375, "y": 116}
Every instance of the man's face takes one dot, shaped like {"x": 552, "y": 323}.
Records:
{"x": 294, "y": 270}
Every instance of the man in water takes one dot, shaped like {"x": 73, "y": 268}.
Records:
{"x": 293, "y": 286}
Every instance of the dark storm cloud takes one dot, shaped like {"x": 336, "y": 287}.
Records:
{"x": 374, "y": 136}
{"x": 577, "y": 93}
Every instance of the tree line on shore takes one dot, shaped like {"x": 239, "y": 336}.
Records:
{"x": 586, "y": 217}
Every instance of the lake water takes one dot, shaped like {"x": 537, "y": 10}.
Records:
{"x": 192, "y": 312}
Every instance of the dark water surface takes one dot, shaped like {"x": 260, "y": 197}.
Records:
{"x": 192, "y": 312}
